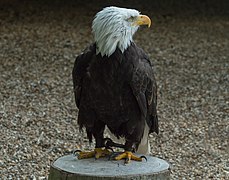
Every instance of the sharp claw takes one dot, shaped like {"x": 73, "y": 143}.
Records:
{"x": 143, "y": 157}
{"x": 127, "y": 161}
{"x": 110, "y": 149}
{"x": 113, "y": 155}
{"x": 108, "y": 142}
{"x": 75, "y": 152}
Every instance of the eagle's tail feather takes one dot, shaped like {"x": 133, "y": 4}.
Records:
{"x": 144, "y": 146}
{"x": 155, "y": 126}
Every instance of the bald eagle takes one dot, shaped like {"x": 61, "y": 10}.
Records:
{"x": 114, "y": 85}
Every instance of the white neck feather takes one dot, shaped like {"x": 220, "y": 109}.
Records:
{"x": 112, "y": 31}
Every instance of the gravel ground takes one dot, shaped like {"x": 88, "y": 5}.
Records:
{"x": 38, "y": 46}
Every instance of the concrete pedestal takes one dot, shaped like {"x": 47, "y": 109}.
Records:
{"x": 70, "y": 168}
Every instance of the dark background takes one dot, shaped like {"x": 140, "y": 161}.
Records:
{"x": 180, "y": 8}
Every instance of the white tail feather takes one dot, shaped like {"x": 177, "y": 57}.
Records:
{"x": 144, "y": 146}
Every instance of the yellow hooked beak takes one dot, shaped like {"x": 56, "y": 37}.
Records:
{"x": 142, "y": 20}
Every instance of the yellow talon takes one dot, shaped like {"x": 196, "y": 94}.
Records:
{"x": 128, "y": 156}
{"x": 101, "y": 152}
{"x": 97, "y": 153}
{"x": 85, "y": 155}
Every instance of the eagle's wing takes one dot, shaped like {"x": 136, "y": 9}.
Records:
{"x": 144, "y": 88}
{"x": 82, "y": 62}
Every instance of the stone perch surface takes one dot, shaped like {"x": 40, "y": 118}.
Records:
{"x": 70, "y": 168}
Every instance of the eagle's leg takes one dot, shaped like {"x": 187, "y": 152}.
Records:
{"x": 100, "y": 150}
{"x": 128, "y": 154}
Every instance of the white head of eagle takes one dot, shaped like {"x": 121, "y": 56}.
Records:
{"x": 114, "y": 28}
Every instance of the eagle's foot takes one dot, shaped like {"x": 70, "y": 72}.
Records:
{"x": 97, "y": 153}
{"x": 128, "y": 156}
{"x": 85, "y": 155}
{"x": 101, "y": 152}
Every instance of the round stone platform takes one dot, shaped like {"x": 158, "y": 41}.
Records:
{"x": 69, "y": 167}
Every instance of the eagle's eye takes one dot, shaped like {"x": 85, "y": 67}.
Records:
{"x": 131, "y": 18}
